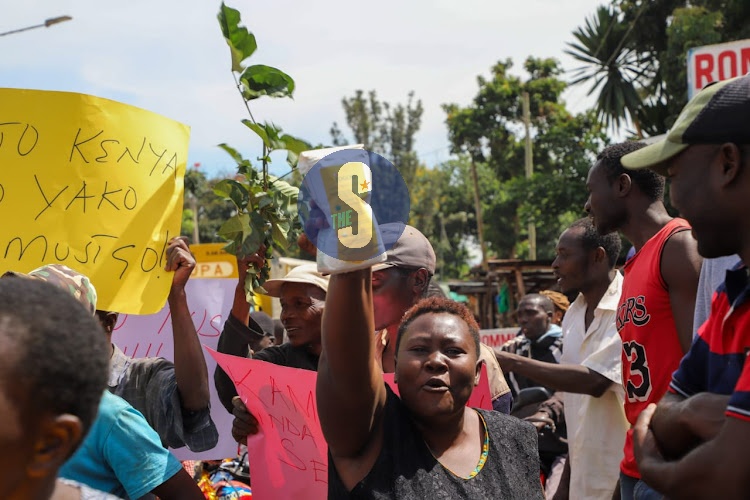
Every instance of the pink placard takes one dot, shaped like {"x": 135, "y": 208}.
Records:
{"x": 289, "y": 457}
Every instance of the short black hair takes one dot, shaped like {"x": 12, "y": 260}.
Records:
{"x": 56, "y": 349}
{"x": 591, "y": 239}
{"x": 439, "y": 305}
{"x": 543, "y": 300}
{"x": 649, "y": 182}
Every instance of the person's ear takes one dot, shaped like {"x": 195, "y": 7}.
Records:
{"x": 600, "y": 255}
{"x": 624, "y": 184}
{"x": 730, "y": 159}
{"x": 58, "y": 437}
{"x": 478, "y": 373}
{"x": 420, "y": 281}
{"x": 108, "y": 320}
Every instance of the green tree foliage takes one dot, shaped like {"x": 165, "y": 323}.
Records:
{"x": 384, "y": 129}
{"x": 457, "y": 221}
{"x": 212, "y": 210}
{"x": 443, "y": 209}
{"x": 491, "y": 131}
{"x": 264, "y": 210}
{"x": 690, "y": 27}
{"x": 652, "y": 39}
{"x": 611, "y": 66}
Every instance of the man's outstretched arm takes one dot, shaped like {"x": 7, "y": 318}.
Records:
{"x": 561, "y": 377}
{"x": 190, "y": 369}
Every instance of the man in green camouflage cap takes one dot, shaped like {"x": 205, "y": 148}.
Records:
{"x": 64, "y": 277}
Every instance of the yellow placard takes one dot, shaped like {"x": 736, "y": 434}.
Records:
{"x": 212, "y": 261}
{"x": 95, "y": 185}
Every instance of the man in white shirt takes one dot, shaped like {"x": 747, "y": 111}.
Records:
{"x": 589, "y": 372}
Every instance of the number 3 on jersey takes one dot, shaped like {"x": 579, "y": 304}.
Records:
{"x": 638, "y": 384}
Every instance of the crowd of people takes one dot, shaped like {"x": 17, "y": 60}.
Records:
{"x": 625, "y": 383}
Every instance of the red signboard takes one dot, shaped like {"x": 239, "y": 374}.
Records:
{"x": 713, "y": 63}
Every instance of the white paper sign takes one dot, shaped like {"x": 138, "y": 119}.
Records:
{"x": 210, "y": 301}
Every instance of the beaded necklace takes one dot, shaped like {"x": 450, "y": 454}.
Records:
{"x": 482, "y": 458}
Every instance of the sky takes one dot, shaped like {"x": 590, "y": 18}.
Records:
{"x": 169, "y": 56}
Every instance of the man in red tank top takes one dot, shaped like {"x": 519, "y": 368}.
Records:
{"x": 655, "y": 314}
{"x": 695, "y": 443}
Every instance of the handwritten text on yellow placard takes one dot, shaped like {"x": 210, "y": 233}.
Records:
{"x": 93, "y": 184}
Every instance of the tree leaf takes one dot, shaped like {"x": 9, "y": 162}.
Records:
{"x": 258, "y": 129}
{"x": 235, "y": 191}
{"x": 236, "y": 156}
{"x": 280, "y": 233}
{"x": 254, "y": 234}
{"x": 241, "y": 42}
{"x": 268, "y": 132}
{"x": 251, "y": 242}
{"x": 236, "y": 226}
{"x": 264, "y": 201}
{"x": 259, "y": 80}
{"x": 292, "y": 159}
{"x": 294, "y": 144}
{"x": 285, "y": 194}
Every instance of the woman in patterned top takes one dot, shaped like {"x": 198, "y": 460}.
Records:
{"x": 425, "y": 443}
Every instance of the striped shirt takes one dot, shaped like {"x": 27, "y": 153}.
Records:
{"x": 716, "y": 360}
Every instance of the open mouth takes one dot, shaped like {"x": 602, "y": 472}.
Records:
{"x": 292, "y": 331}
{"x": 435, "y": 385}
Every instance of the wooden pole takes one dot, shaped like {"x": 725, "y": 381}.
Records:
{"x": 194, "y": 208}
{"x": 478, "y": 209}
{"x": 529, "y": 166}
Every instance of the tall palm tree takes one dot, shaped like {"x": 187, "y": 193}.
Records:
{"x": 611, "y": 66}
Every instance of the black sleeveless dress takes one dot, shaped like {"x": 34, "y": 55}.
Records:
{"x": 406, "y": 469}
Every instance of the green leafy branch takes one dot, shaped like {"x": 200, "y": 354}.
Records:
{"x": 266, "y": 206}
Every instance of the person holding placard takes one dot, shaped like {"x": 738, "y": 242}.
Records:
{"x": 302, "y": 293}
{"x": 426, "y": 443}
{"x": 399, "y": 283}
{"x": 174, "y": 397}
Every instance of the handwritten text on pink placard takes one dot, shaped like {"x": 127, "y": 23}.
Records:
{"x": 289, "y": 457}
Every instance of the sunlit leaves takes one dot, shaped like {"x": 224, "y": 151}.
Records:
{"x": 259, "y": 80}
{"x": 241, "y": 42}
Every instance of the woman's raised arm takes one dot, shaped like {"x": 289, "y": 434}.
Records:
{"x": 350, "y": 389}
